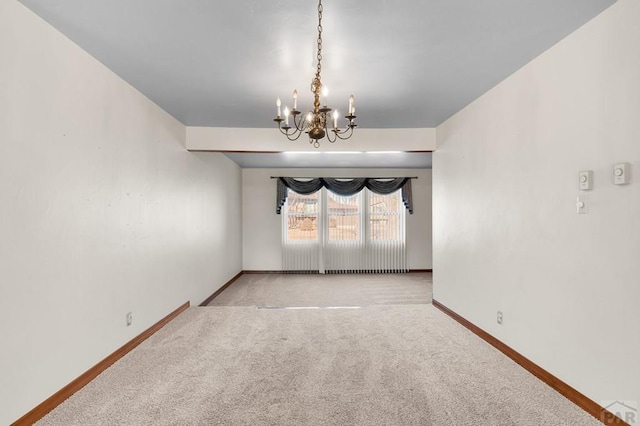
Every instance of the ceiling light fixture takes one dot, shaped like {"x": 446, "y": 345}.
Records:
{"x": 314, "y": 122}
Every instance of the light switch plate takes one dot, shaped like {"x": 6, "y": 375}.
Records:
{"x": 621, "y": 173}
{"x": 585, "y": 180}
{"x": 581, "y": 204}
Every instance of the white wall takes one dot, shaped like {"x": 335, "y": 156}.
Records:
{"x": 102, "y": 212}
{"x": 506, "y": 233}
{"x": 261, "y": 237}
{"x": 270, "y": 140}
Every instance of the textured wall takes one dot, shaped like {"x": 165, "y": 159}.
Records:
{"x": 102, "y": 212}
{"x": 506, "y": 233}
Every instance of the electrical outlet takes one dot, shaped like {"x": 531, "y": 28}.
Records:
{"x": 129, "y": 318}
{"x": 499, "y": 317}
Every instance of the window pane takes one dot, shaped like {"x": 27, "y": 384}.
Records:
{"x": 384, "y": 216}
{"x": 344, "y": 217}
{"x": 302, "y": 216}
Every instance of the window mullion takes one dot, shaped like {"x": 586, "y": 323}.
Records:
{"x": 323, "y": 221}
{"x": 365, "y": 216}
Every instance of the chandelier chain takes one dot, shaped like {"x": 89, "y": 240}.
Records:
{"x": 319, "y": 55}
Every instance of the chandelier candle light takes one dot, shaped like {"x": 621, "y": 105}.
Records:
{"x": 315, "y": 122}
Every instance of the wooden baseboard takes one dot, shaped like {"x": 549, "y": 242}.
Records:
{"x": 221, "y": 289}
{"x": 413, "y": 271}
{"x": 57, "y": 398}
{"x": 563, "y": 388}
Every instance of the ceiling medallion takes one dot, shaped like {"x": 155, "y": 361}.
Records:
{"x": 314, "y": 122}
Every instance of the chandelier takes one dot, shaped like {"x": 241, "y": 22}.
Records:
{"x": 315, "y": 121}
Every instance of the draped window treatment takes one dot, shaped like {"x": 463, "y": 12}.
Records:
{"x": 344, "y": 187}
{"x": 344, "y": 225}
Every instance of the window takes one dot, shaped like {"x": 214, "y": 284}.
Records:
{"x": 385, "y": 212}
{"x": 330, "y": 233}
{"x": 302, "y": 217}
{"x": 344, "y": 217}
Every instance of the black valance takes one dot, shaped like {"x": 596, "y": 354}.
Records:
{"x": 344, "y": 187}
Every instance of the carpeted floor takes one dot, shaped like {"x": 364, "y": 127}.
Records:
{"x": 377, "y": 365}
{"x": 273, "y": 290}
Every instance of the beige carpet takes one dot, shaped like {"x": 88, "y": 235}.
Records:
{"x": 379, "y": 365}
{"x": 327, "y": 290}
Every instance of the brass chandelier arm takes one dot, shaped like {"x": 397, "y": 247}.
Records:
{"x": 293, "y": 135}
{"x": 348, "y": 133}
{"x": 341, "y": 134}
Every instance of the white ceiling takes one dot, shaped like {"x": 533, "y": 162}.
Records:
{"x": 409, "y": 63}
